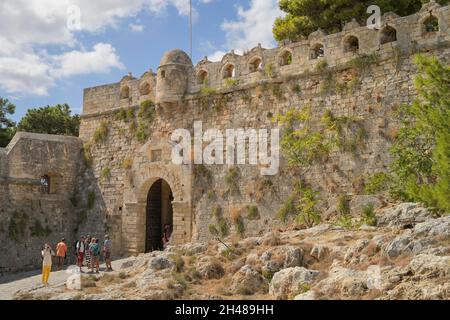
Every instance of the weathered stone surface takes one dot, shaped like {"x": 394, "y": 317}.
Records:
{"x": 404, "y": 215}
{"x": 288, "y": 281}
{"x": 247, "y": 280}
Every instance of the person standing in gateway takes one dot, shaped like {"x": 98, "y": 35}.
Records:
{"x": 107, "y": 248}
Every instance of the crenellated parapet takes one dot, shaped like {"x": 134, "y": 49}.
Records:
{"x": 177, "y": 78}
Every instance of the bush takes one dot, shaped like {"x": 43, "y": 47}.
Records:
{"x": 368, "y": 215}
{"x": 379, "y": 182}
{"x": 240, "y": 227}
{"x": 179, "y": 263}
{"x": 252, "y": 212}
{"x": 420, "y": 169}
{"x": 101, "y": 133}
{"x": 223, "y": 227}
{"x": 106, "y": 173}
{"x": 343, "y": 205}
{"x": 231, "y": 179}
{"x": 213, "y": 230}
{"x": 302, "y": 204}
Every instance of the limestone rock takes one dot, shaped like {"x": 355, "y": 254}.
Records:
{"x": 346, "y": 281}
{"x": 160, "y": 263}
{"x": 247, "y": 280}
{"x": 430, "y": 266}
{"x": 404, "y": 215}
{"x": 288, "y": 281}
{"x": 309, "y": 295}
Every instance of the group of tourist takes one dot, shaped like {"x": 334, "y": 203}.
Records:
{"x": 87, "y": 252}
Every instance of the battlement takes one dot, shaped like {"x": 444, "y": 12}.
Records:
{"x": 425, "y": 30}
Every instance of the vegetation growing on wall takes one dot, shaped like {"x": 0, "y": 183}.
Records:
{"x": 420, "y": 170}
{"x": 37, "y": 230}
{"x": 302, "y": 205}
{"x": 300, "y": 143}
{"x": 145, "y": 117}
{"x": 101, "y": 133}
{"x": 105, "y": 174}
{"x": 232, "y": 180}
{"x": 17, "y": 226}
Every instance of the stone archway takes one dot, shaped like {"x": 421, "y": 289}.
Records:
{"x": 159, "y": 213}
{"x": 134, "y": 218}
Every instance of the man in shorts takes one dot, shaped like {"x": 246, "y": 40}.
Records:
{"x": 80, "y": 253}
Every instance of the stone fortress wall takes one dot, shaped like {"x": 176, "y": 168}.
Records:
{"x": 29, "y": 215}
{"x": 127, "y": 152}
{"x": 245, "y": 91}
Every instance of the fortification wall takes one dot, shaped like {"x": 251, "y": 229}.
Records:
{"x": 369, "y": 93}
{"x": 29, "y": 215}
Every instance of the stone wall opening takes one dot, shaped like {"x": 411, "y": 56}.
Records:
{"x": 159, "y": 212}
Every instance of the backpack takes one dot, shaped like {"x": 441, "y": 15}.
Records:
{"x": 95, "y": 249}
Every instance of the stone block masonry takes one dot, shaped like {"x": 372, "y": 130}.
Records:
{"x": 359, "y": 73}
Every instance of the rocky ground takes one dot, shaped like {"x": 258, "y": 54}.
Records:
{"x": 406, "y": 256}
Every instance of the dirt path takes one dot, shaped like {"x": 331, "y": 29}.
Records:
{"x": 10, "y": 284}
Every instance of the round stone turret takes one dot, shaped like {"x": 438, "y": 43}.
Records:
{"x": 172, "y": 77}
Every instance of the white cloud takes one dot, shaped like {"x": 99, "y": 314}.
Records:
{"x": 100, "y": 60}
{"x": 253, "y": 26}
{"x": 29, "y": 26}
{"x": 136, "y": 27}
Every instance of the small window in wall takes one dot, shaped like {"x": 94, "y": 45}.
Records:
{"x": 388, "y": 34}
{"x": 317, "y": 51}
{"x": 229, "y": 72}
{"x": 431, "y": 24}
{"x": 125, "y": 93}
{"x": 163, "y": 74}
{"x": 45, "y": 184}
{"x": 286, "y": 58}
{"x": 144, "y": 88}
{"x": 351, "y": 44}
{"x": 255, "y": 64}
{"x": 203, "y": 77}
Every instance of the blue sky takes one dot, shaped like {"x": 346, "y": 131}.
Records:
{"x": 42, "y": 62}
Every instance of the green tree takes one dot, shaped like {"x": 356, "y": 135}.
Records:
{"x": 51, "y": 120}
{"x": 305, "y": 16}
{"x": 6, "y": 124}
{"x": 421, "y": 166}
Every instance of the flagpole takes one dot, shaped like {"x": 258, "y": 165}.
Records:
{"x": 190, "y": 27}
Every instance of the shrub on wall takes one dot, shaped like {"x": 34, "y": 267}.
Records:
{"x": 232, "y": 180}
{"x": 101, "y": 133}
{"x": 252, "y": 212}
{"x": 300, "y": 143}
{"x": 145, "y": 116}
{"x": 302, "y": 204}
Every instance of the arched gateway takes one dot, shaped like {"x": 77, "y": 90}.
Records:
{"x": 159, "y": 213}
{"x": 157, "y": 192}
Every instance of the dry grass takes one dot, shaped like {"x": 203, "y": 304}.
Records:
{"x": 235, "y": 215}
